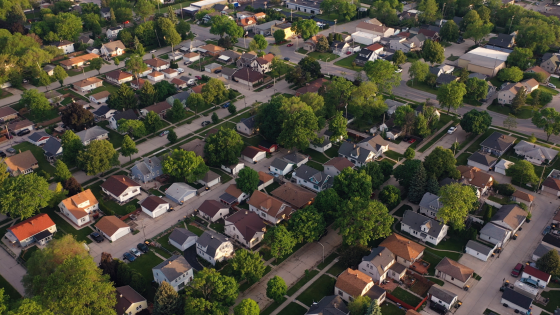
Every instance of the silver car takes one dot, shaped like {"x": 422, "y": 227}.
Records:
{"x": 135, "y": 252}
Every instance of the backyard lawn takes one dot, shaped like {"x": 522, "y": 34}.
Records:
{"x": 401, "y": 210}
{"x": 39, "y": 156}
{"x": 105, "y": 87}
{"x": 61, "y": 224}
{"x": 315, "y": 292}
{"x": 194, "y": 229}
{"x": 114, "y": 137}
{"x": 347, "y": 63}
{"x": 462, "y": 159}
{"x": 315, "y": 155}
{"x": 144, "y": 265}
{"x": 391, "y": 309}
{"x": 164, "y": 242}
{"x": 406, "y": 296}
{"x": 315, "y": 165}
{"x": 333, "y": 152}
{"x": 554, "y": 302}
{"x": 238, "y": 118}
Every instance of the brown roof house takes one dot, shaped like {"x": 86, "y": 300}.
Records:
{"x": 537, "y": 69}
{"x": 311, "y": 87}
{"x": 21, "y": 125}
{"x": 311, "y": 43}
{"x": 407, "y": 251}
{"x": 118, "y": 77}
{"x": 265, "y": 180}
{"x": 253, "y": 154}
{"x": 212, "y": 210}
{"x": 268, "y": 207}
{"x": 157, "y": 64}
{"x": 210, "y": 179}
{"x": 87, "y": 84}
{"x": 154, "y": 206}
{"x": 245, "y": 227}
{"x": 121, "y": 188}
{"x": 453, "y": 272}
{"x": 77, "y": 61}
{"x": 263, "y": 64}
{"x": 211, "y": 50}
{"x": 551, "y": 185}
{"x": 233, "y": 195}
{"x": 113, "y": 49}
{"x": 159, "y": 108}
{"x": 248, "y": 77}
{"x": 474, "y": 176}
{"x": 129, "y": 301}
{"x": 523, "y": 197}
{"x": 7, "y": 113}
{"x": 78, "y": 207}
{"x": 22, "y": 163}
{"x": 294, "y": 195}
{"x": 137, "y": 84}
{"x": 197, "y": 146}
{"x": 351, "y": 284}
{"x": 380, "y": 30}
{"x": 112, "y": 227}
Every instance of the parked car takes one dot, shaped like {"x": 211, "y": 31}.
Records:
{"x": 11, "y": 150}
{"x": 269, "y": 86}
{"x": 152, "y": 51}
{"x": 187, "y": 63}
{"x": 180, "y": 70}
{"x": 164, "y": 133}
{"x": 289, "y": 45}
{"x": 530, "y": 282}
{"x": 170, "y": 209}
{"x": 286, "y": 58}
{"x": 226, "y": 105}
{"x": 143, "y": 247}
{"x": 546, "y": 230}
{"x": 206, "y": 123}
{"x": 412, "y": 140}
{"x": 128, "y": 256}
{"x": 348, "y": 52}
{"x": 398, "y": 70}
{"x": 551, "y": 85}
{"x": 517, "y": 270}
{"x": 135, "y": 252}
{"x": 2, "y": 154}
{"x": 24, "y": 132}
{"x": 218, "y": 71}
{"x": 451, "y": 130}
{"x": 198, "y": 77}
{"x": 96, "y": 237}
{"x": 273, "y": 174}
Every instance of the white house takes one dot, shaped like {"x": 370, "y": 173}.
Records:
{"x": 424, "y": 228}
{"x": 214, "y": 247}
{"x": 483, "y": 161}
{"x": 128, "y": 114}
{"x": 281, "y": 167}
{"x": 268, "y": 207}
{"x": 312, "y": 178}
{"x": 534, "y": 153}
{"x": 479, "y": 250}
{"x": 64, "y": 45}
{"x": 129, "y": 302}
{"x": 234, "y": 168}
{"x": 351, "y": 284}
{"x": 453, "y": 272}
{"x": 380, "y": 263}
{"x": 509, "y": 217}
{"x": 296, "y": 158}
{"x": 406, "y": 251}
{"x": 442, "y": 297}
{"x": 180, "y": 192}
{"x": 212, "y": 210}
{"x": 182, "y": 238}
{"x": 157, "y": 64}
{"x": 113, "y": 32}
{"x": 357, "y": 155}
{"x": 520, "y": 302}
{"x": 176, "y": 271}
{"x": 494, "y": 234}
{"x": 156, "y": 76}
{"x": 170, "y": 73}
{"x": 113, "y": 49}
{"x": 430, "y": 205}
{"x": 37, "y": 229}
{"x": 121, "y": 188}
{"x": 210, "y": 179}
{"x": 112, "y": 227}
{"x": 154, "y": 206}
{"x": 542, "y": 278}
{"x": 253, "y": 154}
{"x": 78, "y": 207}
{"x": 375, "y": 144}
{"x": 246, "y": 126}
{"x": 245, "y": 227}
{"x": 38, "y": 138}
{"x": 502, "y": 166}
{"x": 100, "y": 97}
{"x": 233, "y": 195}
{"x": 118, "y": 77}
{"x": 191, "y": 57}
{"x": 87, "y": 84}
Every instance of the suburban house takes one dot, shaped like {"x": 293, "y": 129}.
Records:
{"x": 21, "y": 125}
{"x": 49, "y": 69}
{"x": 214, "y": 247}
{"x": 453, "y": 272}
{"x": 307, "y": 7}
{"x": 233, "y": 195}
{"x": 178, "y": 83}
{"x": 542, "y": 278}
{"x": 483, "y": 60}
{"x": 246, "y": 227}
{"x": 552, "y": 183}
{"x": 392, "y": 131}
{"x": 253, "y": 154}
{"x": 424, "y": 228}
{"x": 281, "y": 167}
{"x": 212, "y": 210}
{"x": 87, "y": 84}
{"x": 229, "y": 56}
{"x": 381, "y": 263}
{"x": 329, "y": 305}
{"x": 355, "y": 154}
{"x": 100, "y": 97}
{"x": 285, "y": 26}
{"x": 154, "y": 206}
{"x": 176, "y": 271}
{"x": 494, "y": 234}
{"x": 210, "y": 179}
{"x": 550, "y": 63}
{"x": 129, "y": 302}
{"x": 92, "y": 134}
{"x": 112, "y": 49}
{"x": 159, "y": 108}
{"x": 247, "y": 76}
{"x": 516, "y": 300}
{"x": 37, "y": 229}
{"x": 402, "y": 44}
{"x": 504, "y": 224}
{"x": 311, "y": 43}
{"x": 247, "y": 125}
{"x": 407, "y": 252}
{"x": 180, "y": 192}
{"x": 7, "y": 113}
{"x": 246, "y": 60}
{"x": 265, "y": 180}
{"x": 351, "y": 284}
{"x": 121, "y": 188}
{"x": 248, "y": 23}
{"x": 64, "y": 45}
{"x": 38, "y": 138}
{"x": 137, "y": 84}
{"x": 534, "y": 153}
{"x": 379, "y": 30}
{"x": 233, "y": 168}
{"x": 482, "y": 160}
{"x": 113, "y": 32}
{"x": 311, "y": 87}
{"x": 502, "y": 41}
{"x": 537, "y": 69}
{"x": 268, "y": 207}
{"x": 336, "y": 165}
{"x": 182, "y": 238}
{"x": 540, "y": 251}
{"x": 430, "y": 205}
{"x": 375, "y": 144}
{"x": 21, "y": 163}
{"x": 157, "y": 64}
{"x": 508, "y": 93}
{"x": 475, "y": 177}
{"x": 78, "y": 207}
{"x": 364, "y": 56}
{"x": 392, "y": 106}
{"x": 296, "y": 158}
{"x": 446, "y": 79}
{"x": 112, "y": 227}
{"x": 77, "y": 61}
{"x": 263, "y": 64}
{"x": 197, "y": 146}
{"x": 155, "y": 76}
{"x": 441, "y": 299}
{"x": 211, "y": 50}
{"x": 191, "y": 57}
{"x": 479, "y": 250}
{"x": 105, "y": 13}
{"x": 52, "y": 149}
{"x": 523, "y": 197}
{"x": 53, "y": 96}
{"x": 212, "y": 67}
{"x": 118, "y": 76}
{"x": 294, "y": 195}
{"x": 268, "y": 146}
{"x": 170, "y": 73}
{"x": 313, "y": 179}
{"x": 128, "y": 114}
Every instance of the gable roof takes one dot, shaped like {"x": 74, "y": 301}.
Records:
{"x": 265, "y": 177}
{"x": 502, "y": 40}
{"x": 373, "y": 27}
{"x": 249, "y": 121}
{"x": 181, "y": 235}
{"x": 110, "y": 225}
{"x": 353, "y": 282}
{"x": 538, "y": 69}
{"x": 178, "y": 190}
{"x": 329, "y": 305}
{"x": 483, "y": 158}
{"x": 481, "y": 248}
{"x": 249, "y": 75}
{"x": 498, "y": 141}
{"x": 536, "y": 151}
{"x": 71, "y": 203}
{"x": 536, "y": 273}
{"x": 512, "y": 215}
{"x": 431, "y": 201}
{"x": 454, "y": 269}
{"x": 21, "y": 161}
{"x": 518, "y": 194}
{"x": 428, "y": 33}
{"x": 416, "y": 220}
{"x": 380, "y": 257}
{"x": 295, "y": 157}
{"x": 350, "y": 149}
{"x": 268, "y": 204}
{"x": 446, "y": 78}
{"x": 517, "y": 298}
{"x": 294, "y": 195}
{"x": 376, "y": 142}
{"x": 158, "y": 107}
{"x": 318, "y": 177}
{"x": 211, "y": 207}
{"x": 173, "y": 267}
{"x": 52, "y": 146}
{"x": 339, "y": 163}
{"x": 279, "y": 164}
{"x": 197, "y": 146}
{"x": 36, "y": 136}
{"x": 152, "y": 202}
{"x": 127, "y": 114}
{"x": 247, "y": 223}
{"x": 212, "y": 241}
{"x": 552, "y": 182}
{"x": 403, "y": 247}
{"x": 7, "y": 111}
{"x": 114, "y": 45}
{"x": 493, "y": 231}
{"x": 117, "y": 184}
{"x": 118, "y": 75}
{"x": 148, "y": 165}
{"x": 442, "y": 294}
{"x": 126, "y": 296}
{"x": 31, "y": 226}
{"x": 212, "y": 48}
{"x": 156, "y": 62}
{"x": 312, "y": 87}
{"x": 100, "y": 95}
{"x": 20, "y": 124}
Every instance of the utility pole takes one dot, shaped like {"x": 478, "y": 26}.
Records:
{"x": 335, "y": 25}
{"x": 510, "y": 24}
{"x": 442, "y": 13}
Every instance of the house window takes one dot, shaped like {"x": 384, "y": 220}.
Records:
{"x": 340, "y": 292}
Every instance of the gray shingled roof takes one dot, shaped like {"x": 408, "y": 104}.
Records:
{"x": 91, "y": 133}
{"x": 535, "y": 151}
{"x": 445, "y": 78}
{"x": 249, "y": 122}
{"x": 52, "y": 146}
{"x": 498, "y": 141}
{"x": 442, "y": 294}
{"x": 181, "y": 235}
{"x": 295, "y": 157}
{"x": 431, "y": 201}
{"x": 541, "y": 250}
{"x": 380, "y": 257}
{"x": 415, "y": 221}
{"x": 102, "y": 110}
{"x": 127, "y": 114}
{"x": 350, "y": 150}
{"x": 517, "y": 298}
{"x": 36, "y": 136}
{"x": 483, "y": 158}
{"x": 329, "y": 305}
{"x": 493, "y": 231}
{"x": 481, "y": 248}
{"x": 309, "y": 173}
{"x": 512, "y": 215}
{"x": 213, "y": 240}
{"x": 279, "y": 164}
{"x": 173, "y": 267}
{"x": 149, "y": 165}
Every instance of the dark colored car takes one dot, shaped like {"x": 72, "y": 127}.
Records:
{"x": 218, "y": 71}
{"x": 286, "y": 58}
{"x": 170, "y": 209}
{"x": 143, "y": 247}
{"x": 198, "y": 77}
{"x": 206, "y": 122}
{"x": 128, "y": 256}
{"x": 226, "y": 105}
{"x": 11, "y": 150}
{"x": 2, "y": 154}
{"x": 24, "y": 132}
{"x": 96, "y": 237}
{"x": 517, "y": 270}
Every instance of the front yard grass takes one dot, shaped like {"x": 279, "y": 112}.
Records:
{"x": 302, "y": 282}
{"x": 393, "y": 155}
{"x": 81, "y": 235}
{"x": 164, "y": 242}
{"x": 315, "y": 292}
{"x": 224, "y": 176}
{"x": 554, "y": 301}
{"x": 462, "y": 159}
{"x": 326, "y": 56}
{"x": 422, "y": 86}
{"x": 39, "y": 156}
{"x": 238, "y": 118}
{"x": 194, "y": 229}
{"x": 114, "y": 137}
{"x": 525, "y": 112}
{"x": 105, "y": 87}
{"x": 272, "y": 307}
{"x": 144, "y": 265}
{"x": 336, "y": 269}
{"x": 315, "y": 155}
{"x": 406, "y": 296}
{"x": 347, "y": 63}
{"x": 327, "y": 261}
{"x": 293, "y": 309}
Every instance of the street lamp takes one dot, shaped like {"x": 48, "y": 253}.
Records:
{"x": 335, "y": 25}
{"x": 323, "y": 250}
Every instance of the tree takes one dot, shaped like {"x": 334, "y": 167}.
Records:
{"x": 476, "y": 122}
{"x": 61, "y": 173}
{"x": 537, "y": 34}
{"x": 374, "y": 308}
{"x": 521, "y": 58}
{"x": 276, "y": 289}
{"x": 23, "y": 196}
{"x": 72, "y": 186}
{"x": 399, "y": 58}
{"x": 417, "y": 186}
{"x": 67, "y": 26}
{"x": 327, "y": 202}
{"x": 185, "y": 165}
{"x": 310, "y": 65}
{"x": 322, "y": 44}
{"x": 98, "y": 157}
{"x": 362, "y": 220}
{"x": 536, "y": 96}
{"x": 152, "y": 122}
{"x": 307, "y": 28}
{"x": 128, "y": 147}
{"x": 113, "y": 19}
{"x": 352, "y": 183}
{"x": 215, "y": 288}
{"x": 215, "y": 118}
{"x": 510, "y": 122}
{"x": 512, "y": 74}
{"x": 432, "y": 185}
{"x": 144, "y": 8}
{"x": 549, "y": 262}
{"x": 478, "y": 30}
{"x": 359, "y": 305}
{"x": 441, "y": 163}
{"x": 451, "y": 95}
{"x": 418, "y": 70}
{"x": 391, "y": 196}
{"x": 344, "y": 8}
{"x": 366, "y": 103}
{"x": 148, "y": 96}
{"x": 449, "y": 31}
{"x": 59, "y": 74}
{"x": 383, "y": 73}
{"x": 133, "y": 127}
{"x": 519, "y": 100}
{"x": 432, "y": 51}
{"x": 457, "y": 201}
{"x": 172, "y": 136}
{"x": 36, "y": 102}
{"x": 177, "y": 111}
{"x": 135, "y": 64}
{"x": 170, "y": 34}
{"x": 280, "y": 241}
{"x": 97, "y": 64}
{"x": 222, "y": 25}
{"x": 404, "y": 172}
{"x": 422, "y": 127}
{"x": 3, "y": 172}
{"x": 76, "y": 117}
{"x": 117, "y": 61}
{"x": 429, "y": 9}
{"x": 523, "y": 172}
{"x": 299, "y": 124}
{"x": 247, "y": 307}
{"x": 547, "y": 119}
{"x": 166, "y": 301}
{"x": 71, "y": 146}
{"x": 247, "y": 180}
{"x": 123, "y": 98}
{"x": 214, "y": 91}
{"x": 196, "y": 101}
{"x": 337, "y": 127}
{"x": 279, "y": 36}
{"x": 248, "y": 265}
{"x": 307, "y": 224}
{"x": 223, "y": 147}
{"x": 259, "y": 43}
{"x": 29, "y": 307}
{"x": 401, "y": 113}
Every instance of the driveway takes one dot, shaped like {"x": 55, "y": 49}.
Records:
{"x": 190, "y": 256}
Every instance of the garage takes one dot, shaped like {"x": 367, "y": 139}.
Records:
{"x": 502, "y": 166}
{"x": 516, "y": 300}
{"x": 182, "y": 238}
{"x": 479, "y": 250}
{"x": 112, "y": 228}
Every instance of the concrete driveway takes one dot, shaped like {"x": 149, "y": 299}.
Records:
{"x": 190, "y": 256}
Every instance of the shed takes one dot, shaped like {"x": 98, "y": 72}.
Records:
{"x": 154, "y": 206}
{"x": 39, "y": 138}
{"x": 182, "y": 238}
{"x": 112, "y": 227}
{"x": 210, "y": 179}
{"x": 213, "y": 210}
{"x": 212, "y": 67}
{"x": 502, "y": 166}
{"x": 442, "y": 296}
{"x": 479, "y": 250}
{"x": 493, "y": 234}
{"x": 483, "y": 161}
{"x": 180, "y": 192}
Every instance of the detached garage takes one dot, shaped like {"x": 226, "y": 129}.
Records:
{"x": 154, "y": 206}
{"x": 180, "y": 192}
{"x": 182, "y": 238}
{"x": 502, "y": 166}
{"x": 253, "y": 154}
{"x": 112, "y": 227}
{"x": 479, "y": 250}
{"x": 516, "y": 300}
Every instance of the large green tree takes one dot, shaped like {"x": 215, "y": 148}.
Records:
{"x": 247, "y": 180}
{"x": 549, "y": 262}
{"x": 144, "y": 8}
{"x": 449, "y": 31}
{"x": 153, "y": 122}
{"x": 432, "y": 51}
{"x": 280, "y": 240}
{"x": 478, "y": 30}
{"x": 359, "y": 305}
{"x": 61, "y": 173}
{"x": 214, "y": 287}
{"x": 451, "y": 95}
{"x": 327, "y": 202}
{"x": 476, "y": 122}
{"x": 299, "y": 124}
{"x": 391, "y": 196}
{"x": 306, "y": 28}
{"x": 337, "y": 127}
{"x": 128, "y": 147}
{"x": 373, "y": 169}
{"x": 123, "y": 98}
{"x": 417, "y": 186}
{"x": 76, "y": 117}
{"x": 362, "y": 220}
{"x": 307, "y": 224}
{"x": 223, "y": 147}
{"x": 247, "y": 307}
{"x": 405, "y": 172}
{"x": 511, "y": 74}
{"x": 476, "y": 88}
{"x": 441, "y": 163}
{"x": 214, "y": 91}
{"x": 247, "y": 265}
{"x": 521, "y": 58}
{"x": 167, "y": 300}
{"x": 429, "y": 11}
{"x": 222, "y": 25}
{"x": 383, "y": 73}
{"x": 67, "y": 26}
{"x": 98, "y": 157}
{"x": 547, "y": 119}
{"x": 71, "y": 147}
{"x": 352, "y": 183}
{"x": 36, "y": 102}
{"x": 22, "y": 196}
{"x": 523, "y": 172}
{"x": 185, "y": 165}
{"x": 276, "y": 289}
{"x": 135, "y": 64}
{"x": 457, "y": 200}
{"x": 418, "y": 70}
{"x": 133, "y": 127}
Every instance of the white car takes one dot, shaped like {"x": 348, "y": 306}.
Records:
{"x": 398, "y": 71}
{"x": 180, "y": 70}
{"x": 451, "y": 130}
{"x": 152, "y": 51}
{"x": 551, "y": 85}
{"x": 277, "y": 9}
{"x": 135, "y": 252}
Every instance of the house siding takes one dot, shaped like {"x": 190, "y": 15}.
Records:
{"x": 161, "y": 209}
{"x": 450, "y": 279}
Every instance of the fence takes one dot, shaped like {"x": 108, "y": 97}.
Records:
{"x": 493, "y": 203}
{"x": 403, "y": 304}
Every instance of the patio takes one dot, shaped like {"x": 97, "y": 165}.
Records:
{"x": 420, "y": 266}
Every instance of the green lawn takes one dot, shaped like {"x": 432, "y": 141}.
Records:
{"x": 51, "y": 114}
{"x": 195, "y": 229}
{"x": 393, "y": 155}
{"x": 554, "y": 81}
{"x": 271, "y": 187}
{"x": 302, "y": 282}
{"x": 105, "y": 87}
{"x": 278, "y": 261}
{"x": 25, "y": 255}
{"x": 272, "y": 307}
{"x": 422, "y": 86}
{"x": 525, "y": 112}
{"x": 336, "y": 269}
{"x": 114, "y": 137}
{"x": 406, "y": 296}
{"x": 391, "y": 309}
{"x": 315, "y": 292}
{"x": 326, "y": 56}
{"x": 293, "y": 309}
{"x": 554, "y": 301}
{"x": 39, "y": 156}
{"x": 144, "y": 265}
{"x": 315, "y": 165}
{"x": 238, "y": 118}
{"x": 453, "y": 243}
{"x": 113, "y": 206}
{"x": 347, "y": 63}
{"x": 462, "y": 159}
{"x": 434, "y": 140}
{"x": 333, "y": 152}
{"x": 453, "y": 58}
{"x": 9, "y": 290}
{"x": 315, "y": 155}
{"x": 436, "y": 280}
{"x": 254, "y": 140}
{"x": 435, "y": 256}
{"x": 80, "y": 235}
{"x": 401, "y": 210}
{"x": 327, "y": 261}
{"x": 224, "y": 176}
{"x": 164, "y": 242}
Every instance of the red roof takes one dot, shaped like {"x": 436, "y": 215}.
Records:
{"x": 375, "y": 47}
{"x": 31, "y": 226}
{"x": 537, "y": 273}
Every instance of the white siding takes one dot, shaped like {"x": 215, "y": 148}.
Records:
{"x": 481, "y": 166}
{"x": 476, "y": 254}
{"x": 161, "y": 209}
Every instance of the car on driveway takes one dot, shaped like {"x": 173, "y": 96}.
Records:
{"x": 143, "y": 247}
{"x": 546, "y": 230}
{"x": 180, "y": 70}
{"x": 135, "y": 252}
{"x": 551, "y": 85}
{"x": 205, "y": 123}
{"x": 412, "y": 140}
{"x": 517, "y": 270}
{"x": 152, "y": 51}
{"x": 286, "y": 58}
{"x": 96, "y": 237}
{"x": 11, "y": 150}
{"x": 289, "y": 45}
{"x": 451, "y": 130}
{"x": 273, "y": 174}
{"x": 226, "y": 105}
{"x": 198, "y": 77}
{"x": 24, "y": 132}
{"x": 128, "y": 256}
{"x": 164, "y": 133}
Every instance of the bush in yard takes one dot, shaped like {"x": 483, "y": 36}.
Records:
{"x": 550, "y": 262}
{"x": 276, "y": 289}
{"x": 409, "y": 153}
{"x": 232, "y": 109}
{"x": 504, "y": 189}
{"x": 390, "y": 196}
{"x": 215, "y": 118}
